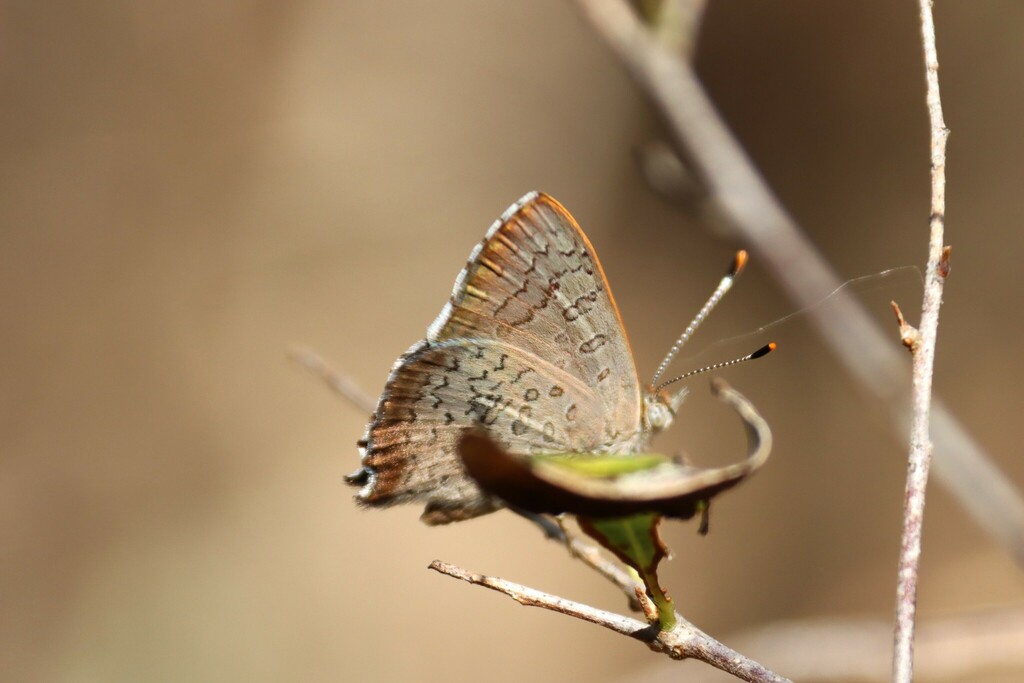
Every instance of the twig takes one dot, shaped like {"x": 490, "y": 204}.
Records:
{"x": 742, "y": 199}
{"x": 590, "y": 555}
{"x": 587, "y": 553}
{"x": 682, "y": 642}
{"x": 342, "y": 385}
{"x": 923, "y": 364}
{"x": 550, "y": 489}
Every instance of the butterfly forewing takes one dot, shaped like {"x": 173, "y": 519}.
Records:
{"x": 530, "y": 346}
{"x": 535, "y": 282}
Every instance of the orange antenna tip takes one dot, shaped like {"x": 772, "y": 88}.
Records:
{"x": 739, "y": 263}
{"x": 724, "y": 286}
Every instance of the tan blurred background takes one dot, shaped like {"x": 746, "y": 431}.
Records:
{"x": 188, "y": 188}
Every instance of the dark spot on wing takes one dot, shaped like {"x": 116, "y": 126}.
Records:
{"x": 593, "y": 344}
{"x": 549, "y": 431}
{"x": 519, "y": 375}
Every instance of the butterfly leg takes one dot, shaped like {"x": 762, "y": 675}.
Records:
{"x": 552, "y": 529}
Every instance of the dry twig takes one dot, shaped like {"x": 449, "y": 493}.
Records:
{"x": 685, "y": 641}
{"x": 681, "y": 641}
{"x": 924, "y": 360}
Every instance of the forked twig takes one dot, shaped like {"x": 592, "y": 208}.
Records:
{"x": 740, "y": 196}
{"x": 923, "y": 351}
{"x": 682, "y": 642}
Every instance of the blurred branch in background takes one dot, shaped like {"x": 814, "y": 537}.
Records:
{"x": 922, "y": 347}
{"x": 949, "y": 649}
{"x": 342, "y": 385}
{"x": 738, "y": 198}
{"x": 675, "y": 22}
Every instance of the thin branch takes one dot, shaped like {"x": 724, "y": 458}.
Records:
{"x": 342, "y": 385}
{"x": 590, "y": 555}
{"x": 742, "y": 199}
{"x": 683, "y": 642}
{"x": 587, "y": 553}
{"x": 923, "y": 351}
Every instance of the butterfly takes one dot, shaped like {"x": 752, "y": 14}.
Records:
{"x": 531, "y": 348}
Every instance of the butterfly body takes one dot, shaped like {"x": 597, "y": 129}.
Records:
{"x": 530, "y": 346}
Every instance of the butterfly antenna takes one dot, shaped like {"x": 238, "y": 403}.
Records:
{"x": 724, "y": 286}
{"x": 763, "y": 351}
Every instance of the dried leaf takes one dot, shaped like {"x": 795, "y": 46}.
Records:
{"x": 601, "y": 485}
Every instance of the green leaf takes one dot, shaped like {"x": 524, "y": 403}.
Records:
{"x": 604, "y": 464}
{"x": 635, "y": 540}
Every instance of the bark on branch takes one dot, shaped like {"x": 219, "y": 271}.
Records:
{"x": 685, "y": 641}
{"x": 923, "y": 351}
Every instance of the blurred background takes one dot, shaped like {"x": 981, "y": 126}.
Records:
{"x": 188, "y": 188}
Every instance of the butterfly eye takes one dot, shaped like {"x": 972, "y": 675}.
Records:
{"x": 658, "y": 415}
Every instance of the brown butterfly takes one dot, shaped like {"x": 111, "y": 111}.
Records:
{"x": 531, "y": 348}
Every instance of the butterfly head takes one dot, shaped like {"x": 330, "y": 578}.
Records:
{"x": 660, "y": 409}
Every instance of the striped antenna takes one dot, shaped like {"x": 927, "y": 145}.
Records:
{"x": 763, "y": 351}
{"x": 737, "y": 266}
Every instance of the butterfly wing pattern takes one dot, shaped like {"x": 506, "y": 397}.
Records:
{"x": 530, "y": 346}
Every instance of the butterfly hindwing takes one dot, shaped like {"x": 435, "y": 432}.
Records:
{"x": 437, "y": 391}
